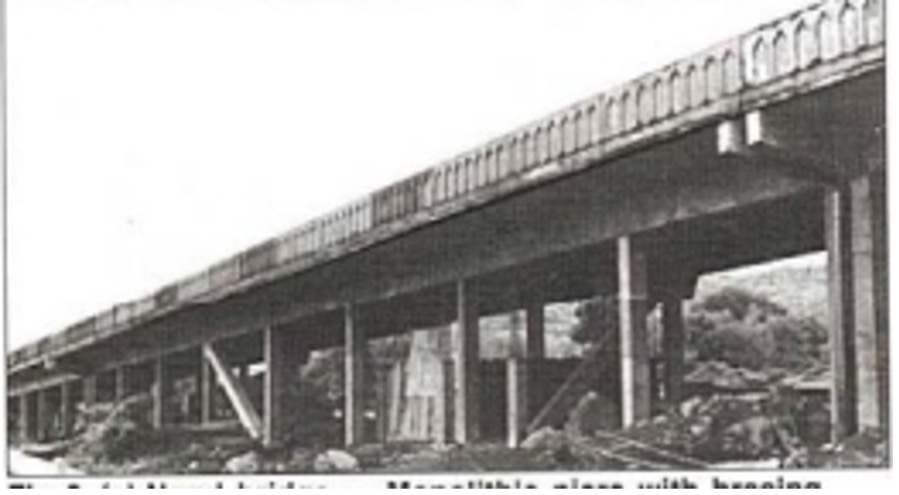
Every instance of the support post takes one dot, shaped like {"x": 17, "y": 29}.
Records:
{"x": 25, "y": 419}
{"x": 89, "y": 390}
{"x": 869, "y": 285}
{"x": 673, "y": 347}
{"x": 535, "y": 350}
{"x": 276, "y": 396}
{"x": 67, "y": 408}
{"x": 516, "y": 400}
{"x": 632, "y": 291}
{"x": 467, "y": 365}
{"x": 842, "y": 335}
{"x": 121, "y": 383}
{"x": 381, "y": 424}
{"x": 161, "y": 391}
{"x": 516, "y": 386}
{"x": 236, "y": 393}
{"x": 43, "y": 416}
{"x": 354, "y": 385}
{"x": 536, "y": 335}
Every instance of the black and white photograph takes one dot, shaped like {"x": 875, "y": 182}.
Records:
{"x": 446, "y": 244}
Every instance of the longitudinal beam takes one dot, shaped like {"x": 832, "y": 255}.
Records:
{"x": 235, "y": 392}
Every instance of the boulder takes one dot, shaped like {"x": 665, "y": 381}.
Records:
{"x": 204, "y": 466}
{"x": 369, "y": 455}
{"x": 592, "y": 413}
{"x": 335, "y": 461}
{"x": 689, "y": 406}
{"x": 545, "y": 438}
{"x": 752, "y": 437}
{"x": 301, "y": 461}
{"x": 249, "y": 462}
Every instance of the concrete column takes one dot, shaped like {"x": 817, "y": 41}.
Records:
{"x": 673, "y": 348}
{"x": 206, "y": 390}
{"x": 43, "y": 416}
{"x": 243, "y": 372}
{"x": 121, "y": 383}
{"x": 536, "y": 338}
{"x": 277, "y": 394}
{"x": 869, "y": 285}
{"x": 837, "y": 239}
{"x": 381, "y": 424}
{"x": 67, "y": 408}
{"x": 535, "y": 350}
{"x": 516, "y": 386}
{"x": 162, "y": 389}
{"x": 633, "y": 306}
{"x": 354, "y": 377}
{"x": 467, "y": 366}
{"x": 516, "y": 400}
{"x": 446, "y": 424}
{"x": 89, "y": 390}
{"x": 24, "y": 418}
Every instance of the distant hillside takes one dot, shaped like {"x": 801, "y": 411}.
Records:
{"x": 799, "y": 284}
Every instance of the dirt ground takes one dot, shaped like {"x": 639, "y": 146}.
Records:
{"x": 749, "y": 428}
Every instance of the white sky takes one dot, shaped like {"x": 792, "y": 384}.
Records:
{"x": 150, "y": 139}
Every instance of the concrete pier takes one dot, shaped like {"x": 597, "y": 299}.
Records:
{"x": 354, "y": 376}
{"x": 633, "y": 307}
{"x": 467, "y": 368}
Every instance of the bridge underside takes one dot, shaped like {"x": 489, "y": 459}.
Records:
{"x": 794, "y": 177}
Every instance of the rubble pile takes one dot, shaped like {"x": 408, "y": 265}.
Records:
{"x": 740, "y": 427}
{"x": 701, "y": 431}
{"x": 119, "y": 438}
{"x": 720, "y": 428}
{"x": 719, "y": 376}
{"x": 866, "y": 449}
{"x": 109, "y": 433}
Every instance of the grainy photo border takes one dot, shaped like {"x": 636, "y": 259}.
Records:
{"x": 550, "y": 161}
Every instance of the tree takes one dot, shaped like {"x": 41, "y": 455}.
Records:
{"x": 749, "y": 330}
{"x": 596, "y": 319}
{"x": 739, "y": 303}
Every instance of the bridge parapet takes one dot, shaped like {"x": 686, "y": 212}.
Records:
{"x": 708, "y": 84}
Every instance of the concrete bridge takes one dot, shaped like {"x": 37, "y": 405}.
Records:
{"x": 767, "y": 145}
